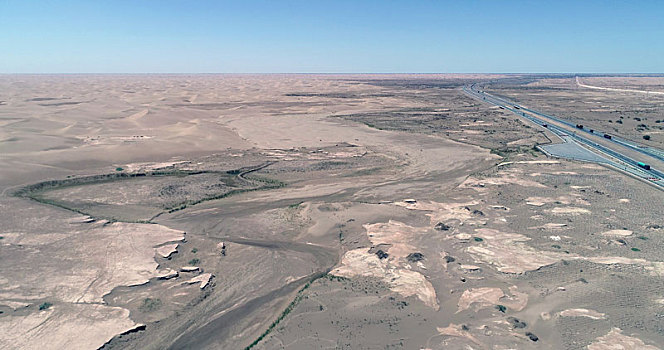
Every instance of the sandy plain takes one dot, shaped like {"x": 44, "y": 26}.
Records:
{"x": 312, "y": 211}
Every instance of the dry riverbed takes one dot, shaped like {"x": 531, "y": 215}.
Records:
{"x": 301, "y": 212}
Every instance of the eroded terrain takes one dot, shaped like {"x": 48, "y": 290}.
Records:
{"x": 300, "y": 212}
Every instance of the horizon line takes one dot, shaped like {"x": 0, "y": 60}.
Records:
{"x": 326, "y": 73}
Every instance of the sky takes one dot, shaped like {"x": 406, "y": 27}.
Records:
{"x": 245, "y": 36}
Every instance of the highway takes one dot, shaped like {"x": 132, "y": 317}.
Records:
{"x": 617, "y": 152}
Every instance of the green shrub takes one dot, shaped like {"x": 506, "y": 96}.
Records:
{"x": 194, "y": 261}
{"x": 336, "y": 278}
{"x": 45, "y": 305}
{"x": 150, "y": 304}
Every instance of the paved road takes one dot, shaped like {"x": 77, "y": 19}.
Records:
{"x": 617, "y": 152}
{"x": 617, "y": 90}
{"x": 616, "y": 140}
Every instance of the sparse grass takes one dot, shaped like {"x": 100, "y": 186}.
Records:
{"x": 275, "y": 183}
{"x": 30, "y": 190}
{"x": 194, "y": 261}
{"x": 506, "y": 152}
{"x": 150, "y": 304}
{"x": 500, "y": 152}
{"x": 363, "y": 172}
{"x": 195, "y": 250}
{"x": 643, "y": 238}
{"x": 270, "y": 184}
{"x": 35, "y": 191}
{"x": 295, "y": 205}
{"x": 285, "y": 313}
{"x": 43, "y": 200}
{"x": 45, "y": 305}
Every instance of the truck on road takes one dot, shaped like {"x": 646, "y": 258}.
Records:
{"x": 644, "y": 165}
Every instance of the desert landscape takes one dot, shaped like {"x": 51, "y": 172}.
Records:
{"x": 303, "y": 211}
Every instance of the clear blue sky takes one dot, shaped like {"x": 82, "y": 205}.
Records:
{"x": 244, "y": 36}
